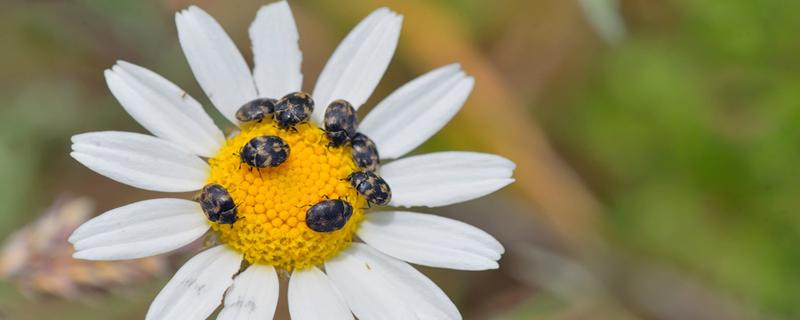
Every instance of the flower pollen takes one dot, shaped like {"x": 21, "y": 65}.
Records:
{"x": 272, "y": 202}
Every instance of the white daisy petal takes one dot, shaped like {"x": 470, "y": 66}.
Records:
{"x": 357, "y": 65}
{"x": 164, "y": 109}
{"x": 313, "y": 296}
{"x": 276, "y": 53}
{"x": 417, "y": 110}
{"x": 254, "y": 295}
{"x": 381, "y": 287}
{"x": 140, "y": 229}
{"x": 444, "y": 178}
{"x": 140, "y": 160}
{"x": 216, "y": 63}
{"x": 197, "y": 288}
{"x": 367, "y": 292}
{"x": 430, "y": 240}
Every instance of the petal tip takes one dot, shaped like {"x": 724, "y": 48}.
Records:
{"x": 194, "y": 9}
{"x": 81, "y": 137}
{"x": 501, "y": 249}
{"x": 469, "y": 80}
{"x": 453, "y": 66}
{"x": 275, "y": 4}
{"x": 74, "y": 237}
{"x": 382, "y": 10}
{"x": 81, "y": 255}
{"x": 125, "y": 66}
{"x": 502, "y": 183}
{"x": 108, "y": 73}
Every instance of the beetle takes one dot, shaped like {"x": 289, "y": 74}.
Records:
{"x": 364, "y": 152}
{"x": 328, "y": 215}
{"x": 256, "y": 110}
{"x": 293, "y": 108}
{"x": 340, "y": 122}
{"x": 371, "y": 186}
{"x": 217, "y": 204}
{"x": 264, "y": 151}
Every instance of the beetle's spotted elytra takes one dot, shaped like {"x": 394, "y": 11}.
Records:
{"x": 256, "y": 110}
{"x": 217, "y": 204}
{"x": 340, "y": 122}
{"x": 371, "y": 186}
{"x": 264, "y": 152}
{"x": 328, "y": 215}
{"x": 292, "y": 109}
{"x": 365, "y": 153}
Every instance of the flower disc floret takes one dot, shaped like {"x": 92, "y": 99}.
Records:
{"x": 272, "y": 202}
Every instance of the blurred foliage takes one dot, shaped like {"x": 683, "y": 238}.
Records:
{"x": 688, "y": 130}
{"x": 693, "y": 135}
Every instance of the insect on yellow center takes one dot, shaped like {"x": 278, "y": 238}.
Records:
{"x": 272, "y": 202}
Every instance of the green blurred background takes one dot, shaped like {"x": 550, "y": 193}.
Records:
{"x": 657, "y": 163}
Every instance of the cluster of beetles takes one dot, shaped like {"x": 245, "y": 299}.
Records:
{"x": 340, "y": 123}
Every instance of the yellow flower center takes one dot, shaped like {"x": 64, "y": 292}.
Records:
{"x": 272, "y": 202}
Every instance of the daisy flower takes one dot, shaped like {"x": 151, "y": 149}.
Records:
{"x": 257, "y": 217}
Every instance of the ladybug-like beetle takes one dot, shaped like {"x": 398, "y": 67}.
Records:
{"x": 371, "y": 186}
{"x": 256, "y": 110}
{"x": 264, "y": 151}
{"x": 364, "y": 152}
{"x": 293, "y": 108}
{"x": 328, "y": 215}
{"x": 340, "y": 122}
{"x": 217, "y": 204}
